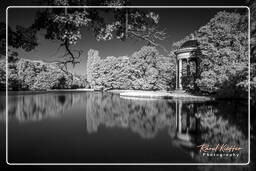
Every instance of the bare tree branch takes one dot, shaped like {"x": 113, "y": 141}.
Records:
{"x": 148, "y": 39}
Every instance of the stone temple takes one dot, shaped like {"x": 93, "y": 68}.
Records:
{"x": 187, "y": 53}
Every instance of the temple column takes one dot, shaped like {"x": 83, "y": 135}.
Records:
{"x": 180, "y": 74}
{"x": 177, "y": 74}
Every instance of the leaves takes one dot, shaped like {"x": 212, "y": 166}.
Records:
{"x": 2, "y": 74}
{"x": 144, "y": 69}
{"x": 24, "y": 74}
{"x": 223, "y": 53}
{"x": 66, "y": 24}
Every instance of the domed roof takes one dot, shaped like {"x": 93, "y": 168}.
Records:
{"x": 190, "y": 44}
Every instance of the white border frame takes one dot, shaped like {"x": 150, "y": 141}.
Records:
{"x": 220, "y": 7}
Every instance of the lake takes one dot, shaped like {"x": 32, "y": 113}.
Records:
{"x": 102, "y": 127}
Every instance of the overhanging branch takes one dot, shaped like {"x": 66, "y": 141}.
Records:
{"x": 147, "y": 38}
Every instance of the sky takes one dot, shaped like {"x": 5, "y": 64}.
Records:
{"x": 177, "y": 22}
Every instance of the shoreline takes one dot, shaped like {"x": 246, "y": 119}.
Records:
{"x": 140, "y": 94}
{"x": 79, "y": 89}
{"x": 163, "y": 95}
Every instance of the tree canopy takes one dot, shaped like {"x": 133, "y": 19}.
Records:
{"x": 25, "y": 74}
{"x": 223, "y": 53}
{"x": 66, "y": 25}
{"x": 145, "y": 69}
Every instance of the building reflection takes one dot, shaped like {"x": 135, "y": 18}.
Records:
{"x": 199, "y": 123}
{"x": 189, "y": 123}
{"x": 186, "y": 123}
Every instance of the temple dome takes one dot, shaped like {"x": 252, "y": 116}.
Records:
{"x": 190, "y": 44}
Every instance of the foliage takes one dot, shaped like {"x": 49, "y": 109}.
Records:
{"x": 25, "y": 74}
{"x": 66, "y": 25}
{"x": 166, "y": 73}
{"x": 145, "y": 69}
{"x": 93, "y": 58}
{"x": 79, "y": 81}
{"x": 112, "y": 72}
{"x": 51, "y": 79}
{"x": 252, "y": 5}
{"x": 2, "y": 39}
{"x": 20, "y": 38}
{"x": 2, "y": 74}
{"x": 223, "y": 54}
{"x": 13, "y": 78}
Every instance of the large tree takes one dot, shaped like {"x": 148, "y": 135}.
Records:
{"x": 224, "y": 47}
{"x": 223, "y": 53}
{"x": 66, "y": 25}
{"x": 145, "y": 69}
{"x": 38, "y": 75}
{"x": 252, "y": 5}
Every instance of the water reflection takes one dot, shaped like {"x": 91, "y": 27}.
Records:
{"x": 30, "y": 107}
{"x": 188, "y": 123}
{"x": 2, "y": 107}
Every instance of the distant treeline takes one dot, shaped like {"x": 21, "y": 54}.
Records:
{"x": 25, "y": 74}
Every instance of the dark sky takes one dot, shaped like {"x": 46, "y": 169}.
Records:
{"x": 178, "y": 22}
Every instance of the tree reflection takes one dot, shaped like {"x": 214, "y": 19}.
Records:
{"x": 143, "y": 117}
{"x": 36, "y": 107}
{"x": 2, "y": 108}
{"x": 189, "y": 124}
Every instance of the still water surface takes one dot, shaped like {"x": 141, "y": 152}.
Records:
{"x": 96, "y": 127}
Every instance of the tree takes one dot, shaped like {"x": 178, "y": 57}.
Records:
{"x": 93, "y": 58}
{"x": 52, "y": 79}
{"x": 111, "y": 73}
{"x": 78, "y": 82}
{"x": 252, "y": 5}
{"x": 65, "y": 25}
{"x": 224, "y": 48}
{"x": 2, "y": 39}
{"x": 144, "y": 72}
{"x": 223, "y": 57}
{"x": 145, "y": 69}
{"x": 2, "y": 74}
{"x": 25, "y": 74}
{"x": 166, "y": 77}
{"x": 150, "y": 70}
{"x": 14, "y": 82}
